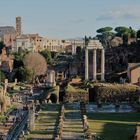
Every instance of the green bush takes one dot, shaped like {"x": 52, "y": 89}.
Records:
{"x": 72, "y": 89}
{"x": 113, "y": 92}
{"x": 75, "y": 94}
{"x": 2, "y": 76}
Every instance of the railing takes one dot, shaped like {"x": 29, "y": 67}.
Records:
{"x": 15, "y": 131}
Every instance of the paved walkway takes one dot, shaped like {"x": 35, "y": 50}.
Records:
{"x": 73, "y": 128}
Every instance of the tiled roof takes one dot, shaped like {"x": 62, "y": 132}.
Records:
{"x": 133, "y": 65}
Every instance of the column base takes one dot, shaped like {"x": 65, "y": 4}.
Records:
{"x": 102, "y": 79}
{"x": 93, "y": 80}
{"x": 86, "y": 80}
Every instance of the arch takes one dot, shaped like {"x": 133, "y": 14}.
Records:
{"x": 53, "y": 98}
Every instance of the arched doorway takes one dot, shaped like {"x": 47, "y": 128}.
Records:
{"x": 92, "y": 95}
{"x": 53, "y": 98}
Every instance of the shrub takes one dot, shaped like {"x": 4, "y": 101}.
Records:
{"x": 113, "y": 92}
{"x": 75, "y": 94}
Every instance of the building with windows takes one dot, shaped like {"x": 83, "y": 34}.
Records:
{"x": 72, "y": 44}
{"x": 54, "y": 45}
{"x": 7, "y": 35}
{"x": 133, "y": 73}
{"x": 29, "y": 42}
{"x": 6, "y": 61}
{"x": 62, "y": 45}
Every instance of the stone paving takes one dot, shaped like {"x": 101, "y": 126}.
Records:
{"x": 73, "y": 127}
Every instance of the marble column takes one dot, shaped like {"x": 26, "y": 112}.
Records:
{"x": 102, "y": 65}
{"x": 86, "y": 64}
{"x": 5, "y": 86}
{"x": 94, "y": 65}
{"x": 31, "y": 120}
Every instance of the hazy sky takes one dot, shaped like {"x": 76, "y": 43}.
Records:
{"x": 69, "y": 18}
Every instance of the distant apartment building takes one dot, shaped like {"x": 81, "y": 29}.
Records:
{"x": 72, "y": 44}
{"x": 54, "y": 45}
{"x": 62, "y": 45}
{"x": 35, "y": 43}
{"x": 6, "y": 61}
{"x": 29, "y": 42}
{"x": 22, "y": 43}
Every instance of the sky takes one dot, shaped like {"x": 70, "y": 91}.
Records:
{"x": 69, "y": 18}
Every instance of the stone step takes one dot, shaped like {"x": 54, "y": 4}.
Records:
{"x": 73, "y": 127}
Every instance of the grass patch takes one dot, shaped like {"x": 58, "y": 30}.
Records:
{"x": 113, "y": 126}
{"x": 50, "y": 107}
{"x": 2, "y": 119}
{"x": 72, "y": 89}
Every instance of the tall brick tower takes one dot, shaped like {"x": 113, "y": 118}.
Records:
{"x": 18, "y": 26}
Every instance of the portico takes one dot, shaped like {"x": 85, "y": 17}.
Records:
{"x": 94, "y": 45}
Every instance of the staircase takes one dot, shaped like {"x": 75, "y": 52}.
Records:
{"x": 45, "y": 124}
{"x": 73, "y": 127}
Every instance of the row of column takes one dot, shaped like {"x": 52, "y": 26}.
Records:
{"x": 95, "y": 65}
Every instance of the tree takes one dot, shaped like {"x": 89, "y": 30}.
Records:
{"x": 79, "y": 53}
{"x": 1, "y": 46}
{"x": 105, "y": 29}
{"x": 86, "y": 40}
{"x": 125, "y": 39}
{"x": 22, "y": 74}
{"x": 48, "y": 56}
{"x": 121, "y": 30}
{"x": 138, "y": 36}
{"x": 35, "y": 62}
{"x": 125, "y": 33}
{"x": 2, "y": 76}
{"x": 105, "y": 35}
{"x": 18, "y": 60}
{"x": 132, "y": 33}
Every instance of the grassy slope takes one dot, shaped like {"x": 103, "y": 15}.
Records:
{"x": 113, "y": 126}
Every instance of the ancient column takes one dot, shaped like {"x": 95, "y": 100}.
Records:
{"x": 15, "y": 81}
{"x": 86, "y": 64}
{"x": 94, "y": 65}
{"x": 32, "y": 117}
{"x": 102, "y": 65}
{"x": 5, "y": 86}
